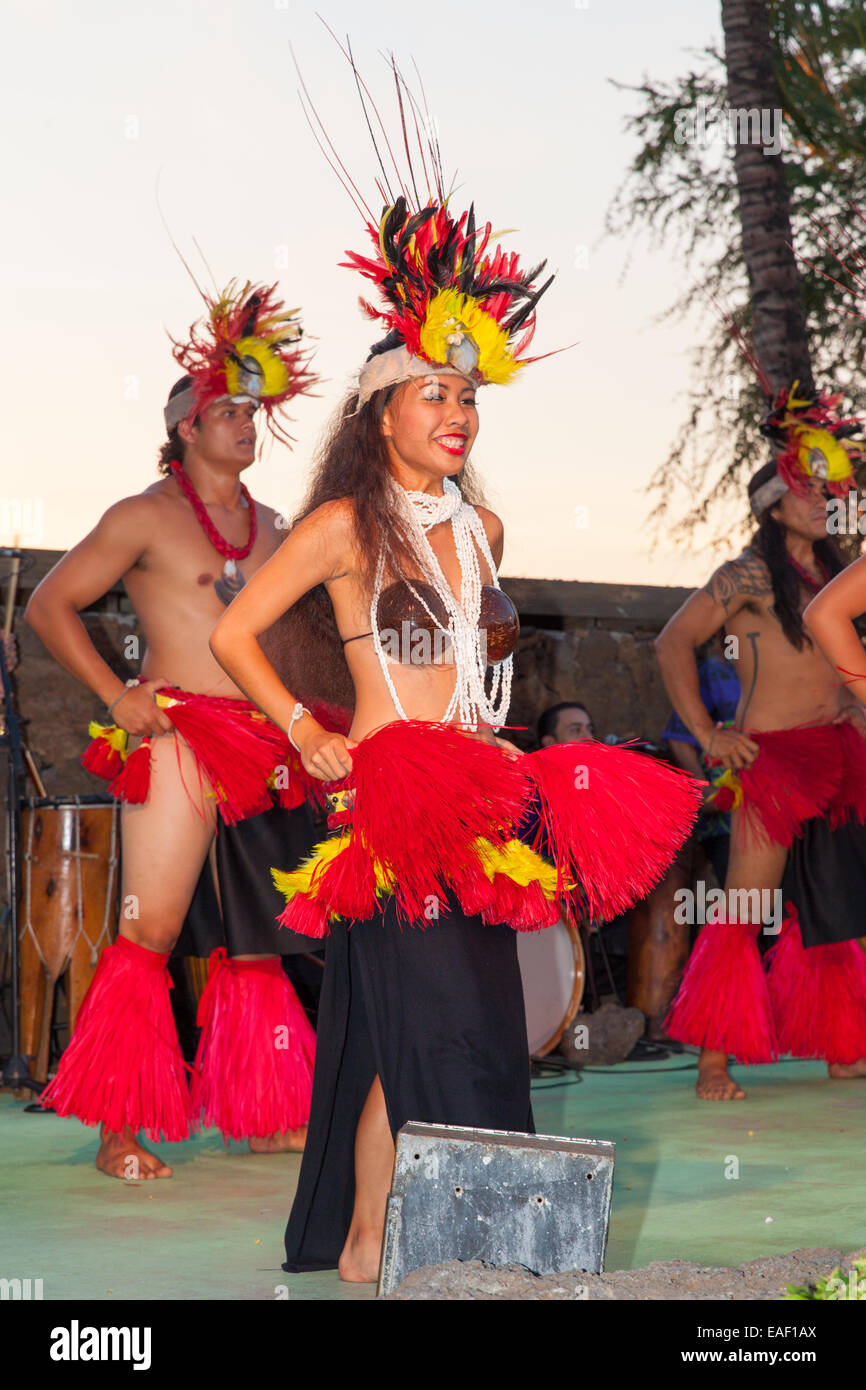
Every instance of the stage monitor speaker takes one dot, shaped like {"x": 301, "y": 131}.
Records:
{"x": 536, "y": 1200}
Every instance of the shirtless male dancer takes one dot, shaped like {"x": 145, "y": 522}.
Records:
{"x": 123, "y": 1067}
{"x": 787, "y": 789}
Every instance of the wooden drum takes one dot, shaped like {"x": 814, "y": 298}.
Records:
{"x": 68, "y": 907}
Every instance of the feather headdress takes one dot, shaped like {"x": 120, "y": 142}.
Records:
{"x": 809, "y": 433}
{"x": 807, "y": 430}
{"x": 448, "y": 297}
{"x": 245, "y": 347}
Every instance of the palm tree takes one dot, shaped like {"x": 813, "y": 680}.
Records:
{"x": 778, "y": 316}
{"x": 687, "y": 198}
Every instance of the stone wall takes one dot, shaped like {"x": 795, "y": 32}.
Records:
{"x": 55, "y": 709}
{"x": 593, "y": 643}
{"x": 613, "y": 673}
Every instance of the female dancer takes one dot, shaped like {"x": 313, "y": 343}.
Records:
{"x": 830, "y": 619}
{"x": 426, "y": 877}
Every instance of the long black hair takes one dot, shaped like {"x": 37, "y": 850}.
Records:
{"x": 769, "y": 542}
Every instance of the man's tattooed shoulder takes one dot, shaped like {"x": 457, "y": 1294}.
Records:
{"x": 746, "y": 577}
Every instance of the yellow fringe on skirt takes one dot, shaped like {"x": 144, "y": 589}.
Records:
{"x": 514, "y": 859}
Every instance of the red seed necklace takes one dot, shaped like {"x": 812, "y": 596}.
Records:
{"x": 809, "y": 579}
{"x": 231, "y": 581}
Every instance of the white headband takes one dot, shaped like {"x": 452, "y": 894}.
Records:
{"x": 398, "y": 364}
{"x": 179, "y": 407}
{"x": 766, "y": 496}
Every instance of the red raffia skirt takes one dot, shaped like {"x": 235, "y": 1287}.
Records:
{"x": 245, "y": 758}
{"x": 817, "y": 770}
{"x": 438, "y": 813}
{"x": 810, "y": 1001}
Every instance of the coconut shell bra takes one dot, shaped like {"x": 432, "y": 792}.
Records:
{"x": 413, "y": 623}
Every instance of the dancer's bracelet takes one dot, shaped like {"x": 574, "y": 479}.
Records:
{"x": 297, "y": 713}
{"x": 134, "y": 680}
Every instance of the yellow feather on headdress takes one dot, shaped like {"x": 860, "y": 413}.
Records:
{"x": 821, "y": 456}
{"x": 275, "y": 376}
{"x": 452, "y": 315}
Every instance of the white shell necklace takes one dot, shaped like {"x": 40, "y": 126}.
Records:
{"x": 470, "y": 703}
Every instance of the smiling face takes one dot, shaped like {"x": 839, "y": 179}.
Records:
{"x": 804, "y": 516}
{"x": 226, "y": 435}
{"x": 429, "y": 427}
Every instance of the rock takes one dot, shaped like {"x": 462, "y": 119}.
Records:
{"x": 611, "y": 1033}
{"x": 759, "y": 1280}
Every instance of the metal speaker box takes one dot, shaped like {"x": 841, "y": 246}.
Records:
{"x": 536, "y": 1200}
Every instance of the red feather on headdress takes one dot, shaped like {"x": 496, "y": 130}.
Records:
{"x": 809, "y": 431}
{"x": 426, "y": 253}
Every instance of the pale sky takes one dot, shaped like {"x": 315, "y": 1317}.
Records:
{"x": 100, "y": 99}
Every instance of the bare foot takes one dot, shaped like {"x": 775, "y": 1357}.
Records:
{"x": 359, "y": 1262}
{"x": 291, "y": 1141}
{"x": 121, "y": 1156}
{"x": 839, "y": 1071}
{"x": 714, "y": 1082}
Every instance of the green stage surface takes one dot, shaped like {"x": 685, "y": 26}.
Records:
{"x": 214, "y": 1230}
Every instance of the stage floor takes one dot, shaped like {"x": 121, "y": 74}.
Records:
{"x": 214, "y": 1230}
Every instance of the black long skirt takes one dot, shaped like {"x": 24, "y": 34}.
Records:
{"x": 825, "y": 877}
{"x": 247, "y": 925}
{"x": 438, "y": 1013}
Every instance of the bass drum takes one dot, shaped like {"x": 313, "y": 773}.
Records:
{"x": 552, "y": 967}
